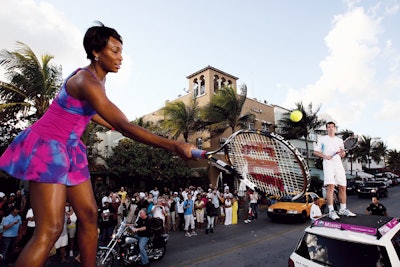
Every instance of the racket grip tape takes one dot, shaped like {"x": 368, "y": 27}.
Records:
{"x": 199, "y": 154}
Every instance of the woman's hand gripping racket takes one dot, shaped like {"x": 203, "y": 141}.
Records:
{"x": 264, "y": 161}
{"x": 350, "y": 143}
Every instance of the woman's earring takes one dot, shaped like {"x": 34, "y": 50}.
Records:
{"x": 96, "y": 58}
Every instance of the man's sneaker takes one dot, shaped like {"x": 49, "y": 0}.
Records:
{"x": 188, "y": 235}
{"x": 333, "y": 215}
{"x": 346, "y": 212}
{"x": 194, "y": 233}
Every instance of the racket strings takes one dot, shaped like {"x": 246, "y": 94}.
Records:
{"x": 267, "y": 164}
{"x": 350, "y": 143}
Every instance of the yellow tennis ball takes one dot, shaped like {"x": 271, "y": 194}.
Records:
{"x": 296, "y": 115}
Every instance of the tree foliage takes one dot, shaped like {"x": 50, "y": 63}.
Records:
{"x": 379, "y": 151}
{"x": 346, "y": 134}
{"x": 296, "y": 130}
{"x": 181, "y": 119}
{"x": 368, "y": 150}
{"x": 393, "y": 160}
{"x": 138, "y": 165}
{"x": 29, "y": 87}
{"x": 225, "y": 110}
{"x": 31, "y": 84}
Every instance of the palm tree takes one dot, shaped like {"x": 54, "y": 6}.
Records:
{"x": 379, "y": 151}
{"x": 181, "y": 119}
{"x": 393, "y": 160}
{"x": 295, "y": 130}
{"x": 31, "y": 84}
{"x": 364, "y": 150}
{"x": 225, "y": 110}
{"x": 346, "y": 133}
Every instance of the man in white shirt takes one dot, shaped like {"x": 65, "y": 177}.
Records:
{"x": 106, "y": 198}
{"x": 155, "y": 194}
{"x": 315, "y": 211}
{"x": 331, "y": 149}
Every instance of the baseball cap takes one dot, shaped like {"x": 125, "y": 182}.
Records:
{"x": 12, "y": 194}
{"x": 2, "y": 194}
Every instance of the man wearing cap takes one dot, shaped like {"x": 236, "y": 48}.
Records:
{"x": 188, "y": 206}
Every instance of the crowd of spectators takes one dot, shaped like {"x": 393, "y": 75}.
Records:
{"x": 190, "y": 210}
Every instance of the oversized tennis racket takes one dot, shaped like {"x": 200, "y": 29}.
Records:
{"x": 350, "y": 143}
{"x": 264, "y": 161}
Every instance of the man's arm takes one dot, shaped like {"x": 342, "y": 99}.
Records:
{"x": 384, "y": 211}
{"x": 321, "y": 155}
{"x": 368, "y": 210}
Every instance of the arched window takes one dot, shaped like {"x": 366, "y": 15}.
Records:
{"x": 195, "y": 88}
{"x": 202, "y": 86}
{"x": 199, "y": 86}
{"x": 217, "y": 83}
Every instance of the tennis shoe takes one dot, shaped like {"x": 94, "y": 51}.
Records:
{"x": 194, "y": 233}
{"x": 188, "y": 235}
{"x": 346, "y": 212}
{"x": 333, "y": 215}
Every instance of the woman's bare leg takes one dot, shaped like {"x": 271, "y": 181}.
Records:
{"x": 83, "y": 201}
{"x": 48, "y": 203}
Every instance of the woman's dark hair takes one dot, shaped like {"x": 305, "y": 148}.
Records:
{"x": 96, "y": 38}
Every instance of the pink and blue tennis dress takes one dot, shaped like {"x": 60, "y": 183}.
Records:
{"x": 50, "y": 150}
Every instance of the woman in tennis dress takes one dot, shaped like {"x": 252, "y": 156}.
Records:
{"x": 50, "y": 155}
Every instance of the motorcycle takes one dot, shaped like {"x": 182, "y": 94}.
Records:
{"x": 124, "y": 246}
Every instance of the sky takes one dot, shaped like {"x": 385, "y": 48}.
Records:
{"x": 340, "y": 55}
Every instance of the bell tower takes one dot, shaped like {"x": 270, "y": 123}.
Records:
{"x": 206, "y": 82}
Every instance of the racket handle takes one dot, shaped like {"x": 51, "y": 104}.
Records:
{"x": 337, "y": 152}
{"x": 199, "y": 154}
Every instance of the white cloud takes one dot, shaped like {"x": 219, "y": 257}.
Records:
{"x": 353, "y": 86}
{"x": 392, "y": 9}
{"x": 357, "y": 85}
{"x": 390, "y": 111}
{"x": 44, "y": 29}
